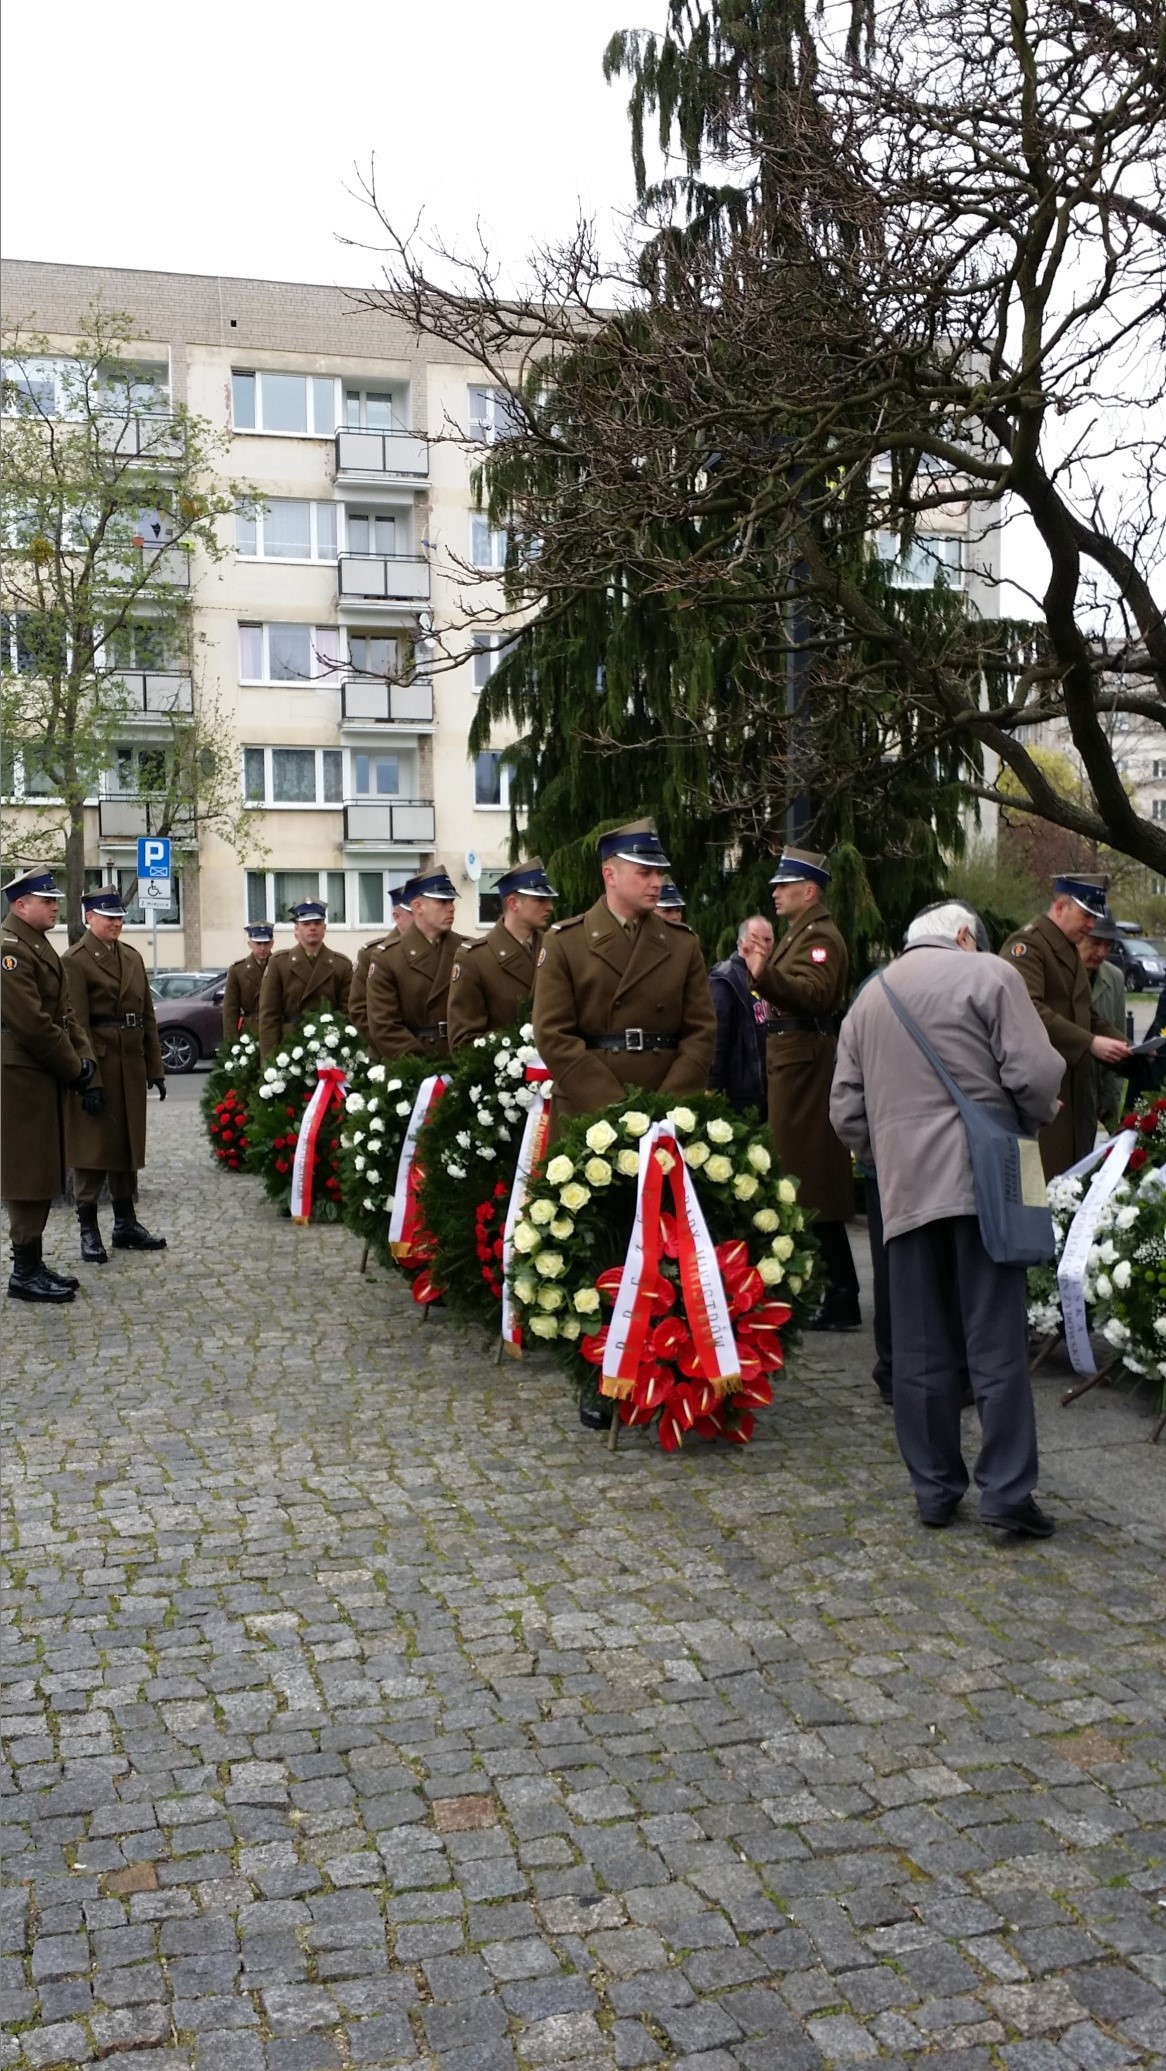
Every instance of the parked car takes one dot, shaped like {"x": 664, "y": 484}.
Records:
{"x": 1139, "y": 960}
{"x": 190, "y": 1026}
{"x": 175, "y": 985}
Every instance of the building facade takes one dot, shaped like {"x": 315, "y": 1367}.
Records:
{"x": 317, "y": 635}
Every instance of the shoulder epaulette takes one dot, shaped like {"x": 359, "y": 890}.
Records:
{"x": 576, "y": 921}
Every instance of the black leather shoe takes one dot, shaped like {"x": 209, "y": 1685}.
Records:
{"x": 93, "y": 1251}
{"x": 596, "y": 1416}
{"x": 131, "y": 1235}
{"x": 28, "y": 1281}
{"x": 938, "y": 1520}
{"x": 1030, "y": 1521}
{"x": 836, "y": 1316}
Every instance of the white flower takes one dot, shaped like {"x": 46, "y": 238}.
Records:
{"x": 374, "y": 1177}
{"x": 719, "y": 1131}
{"x": 331, "y": 1037}
{"x": 463, "y": 1139}
{"x": 376, "y": 1072}
{"x": 485, "y": 1118}
{"x": 759, "y": 1157}
{"x": 359, "y": 1164}
{"x": 573, "y": 1197}
{"x": 1160, "y": 1326}
{"x": 297, "y": 1053}
{"x": 1103, "y": 1287}
{"x": 542, "y": 1210}
{"x": 550, "y": 1298}
{"x": 525, "y": 1289}
{"x": 765, "y": 1220}
{"x": 719, "y": 1169}
{"x": 371, "y": 1204}
{"x": 562, "y": 1228}
{"x": 782, "y": 1247}
{"x": 664, "y": 1159}
{"x": 455, "y": 1171}
{"x": 357, "y": 1135}
{"x": 587, "y": 1301}
{"x": 1126, "y": 1217}
{"x": 354, "y": 1103}
{"x": 403, "y": 1107}
{"x": 745, "y": 1186}
{"x": 309, "y": 1032}
{"x": 1116, "y": 1332}
{"x": 597, "y": 1172}
{"x": 1122, "y": 1274}
{"x": 391, "y": 1085}
{"x": 771, "y": 1271}
{"x": 283, "y": 1060}
{"x": 1108, "y": 1252}
{"x": 476, "y": 1095}
{"x": 550, "y": 1264}
{"x": 541, "y": 1326}
{"x": 600, "y": 1137}
{"x": 787, "y": 1191}
{"x": 635, "y": 1123}
{"x": 696, "y": 1155}
{"x": 279, "y": 1085}
{"x": 267, "y": 1093}
{"x": 485, "y": 1153}
{"x": 500, "y": 1058}
{"x": 570, "y": 1327}
{"x": 795, "y": 1284}
{"x": 349, "y": 1030}
{"x": 627, "y": 1162}
{"x": 559, "y": 1171}
{"x": 377, "y": 1124}
{"x": 683, "y": 1119}
{"x": 526, "y": 1237}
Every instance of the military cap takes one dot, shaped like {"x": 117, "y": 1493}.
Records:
{"x": 671, "y": 896}
{"x": 310, "y": 909}
{"x": 530, "y": 877}
{"x": 801, "y": 866}
{"x": 259, "y": 931}
{"x": 107, "y": 899}
{"x": 37, "y": 883}
{"x": 1086, "y": 892}
{"x": 436, "y": 884}
{"x": 397, "y": 894}
{"x": 637, "y": 843}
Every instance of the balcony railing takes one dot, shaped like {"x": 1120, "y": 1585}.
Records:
{"x": 401, "y": 823}
{"x": 132, "y": 564}
{"x": 124, "y": 815}
{"x": 382, "y": 454}
{"x": 153, "y": 690}
{"x": 365, "y": 700}
{"x": 387, "y": 578}
{"x": 147, "y": 435}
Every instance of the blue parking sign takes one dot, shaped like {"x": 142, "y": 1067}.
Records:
{"x": 153, "y": 857}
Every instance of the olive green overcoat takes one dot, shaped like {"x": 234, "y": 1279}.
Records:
{"x": 1058, "y": 986}
{"x": 408, "y": 989}
{"x": 489, "y": 983}
{"x": 107, "y": 981}
{"x": 358, "y": 990}
{"x": 241, "y": 997}
{"x": 42, "y": 1049}
{"x": 805, "y": 979}
{"x": 293, "y": 982}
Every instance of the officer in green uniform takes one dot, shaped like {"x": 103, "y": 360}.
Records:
{"x": 804, "y": 980}
{"x": 622, "y": 999}
{"x": 44, "y": 1054}
{"x": 408, "y": 980}
{"x": 310, "y": 975}
{"x": 244, "y": 983}
{"x": 402, "y": 919}
{"x": 1046, "y": 954}
{"x": 111, "y": 998}
{"x": 493, "y": 977}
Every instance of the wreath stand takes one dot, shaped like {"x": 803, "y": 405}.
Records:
{"x": 1105, "y": 1375}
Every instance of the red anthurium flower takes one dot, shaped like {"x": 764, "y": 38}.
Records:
{"x": 668, "y": 1240}
{"x": 746, "y": 1292}
{"x": 733, "y": 1260}
{"x": 669, "y": 1338}
{"x": 633, "y": 1412}
{"x": 756, "y": 1393}
{"x": 664, "y": 1295}
{"x": 689, "y": 1361}
{"x": 591, "y": 1349}
{"x": 652, "y": 1387}
{"x": 670, "y": 1431}
{"x": 742, "y": 1431}
{"x": 711, "y": 1426}
{"x": 425, "y": 1288}
{"x": 749, "y": 1361}
{"x": 608, "y": 1283}
{"x": 686, "y": 1403}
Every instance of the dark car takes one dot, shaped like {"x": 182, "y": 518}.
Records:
{"x": 1140, "y": 962}
{"x": 191, "y": 1027}
{"x": 175, "y": 985}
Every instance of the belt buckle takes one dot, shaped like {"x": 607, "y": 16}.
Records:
{"x": 633, "y": 1039}
{"x": 133, "y": 1020}
{"x": 443, "y": 1028}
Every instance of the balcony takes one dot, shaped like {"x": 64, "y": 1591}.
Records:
{"x": 152, "y": 564}
{"x": 124, "y": 815}
{"x": 367, "y": 701}
{"x": 383, "y": 578}
{"x": 399, "y": 823}
{"x": 146, "y": 691}
{"x": 148, "y": 435}
{"x": 381, "y": 456}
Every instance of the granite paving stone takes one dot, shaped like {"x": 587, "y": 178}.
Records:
{"x": 362, "y": 1710}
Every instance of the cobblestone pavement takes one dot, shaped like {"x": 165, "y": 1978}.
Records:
{"x": 362, "y": 1710}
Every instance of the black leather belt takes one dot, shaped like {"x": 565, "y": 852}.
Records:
{"x": 799, "y": 1024}
{"x": 432, "y": 1035}
{"x": 117, "y": 1021}
{"x": 634, "y": 1039}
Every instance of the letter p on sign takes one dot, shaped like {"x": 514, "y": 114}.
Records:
{"x": 153, "y": 856}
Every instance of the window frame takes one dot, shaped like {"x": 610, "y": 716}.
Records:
{"x": 269, "y": 803}
{"x": 498, "y": 419}
{"x": 259, "y": 430}
{"x": 268, "y": 877}
{"x": 503, "y": 769}
{"x": 497, "y": 536}
{"x": 331, "y": 673}
{"x": 258, "y": 523}
{"x": 928, "y": 544}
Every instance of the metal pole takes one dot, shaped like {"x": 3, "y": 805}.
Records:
{"x": 154, "y": 938}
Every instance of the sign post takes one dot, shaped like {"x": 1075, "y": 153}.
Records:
{"x": 154, "y": 885}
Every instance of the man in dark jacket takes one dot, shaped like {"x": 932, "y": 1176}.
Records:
{"x": 739, "y": 1061}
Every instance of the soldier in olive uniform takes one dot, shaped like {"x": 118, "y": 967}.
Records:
{"x": 622, "y": 999}
{"x": 402, "y": 919}
{"x": 494, "y": 976}
{"x": 244, "y": 983}
{"x": 1047, "y": 957}
{"x": 671, "y": 903}
{"x": 310, "y": 975}
{"x": 111, "y": 998}
{"x": 44, "y": 1053}
{"x": 804, "y": 980}
{"x": 408, "y": 980}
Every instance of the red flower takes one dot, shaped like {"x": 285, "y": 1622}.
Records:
{"x": 499, "y": 1248}
{"x": 500, "y": 1191}
{"x": 1136, "y": 1160}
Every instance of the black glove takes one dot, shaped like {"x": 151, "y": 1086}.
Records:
{"x": 84, "y": 1075}
{"x": 159, "y": 1086}
{"x": 93, "y": 1100}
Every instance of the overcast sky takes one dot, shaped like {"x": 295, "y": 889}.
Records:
{"x": 221, "y": 138}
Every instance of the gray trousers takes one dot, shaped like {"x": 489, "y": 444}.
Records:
{"x": 26, "y": 1220}
{"x": 87, "y": 1185}
{"x": 951, "y": 1305}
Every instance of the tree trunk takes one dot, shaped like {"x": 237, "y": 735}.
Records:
{"x": 75, "y": 872}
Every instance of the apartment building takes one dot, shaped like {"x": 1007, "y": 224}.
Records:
{"x": 312, "y": 635}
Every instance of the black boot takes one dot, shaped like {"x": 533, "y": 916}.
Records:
{"x": 839, "y": 1311}
{"x": 93, "y": 1251}
{"x": 28, "y": 1281}
{"x": 129, "y": 1234}
{"x": 60, "y": 1279}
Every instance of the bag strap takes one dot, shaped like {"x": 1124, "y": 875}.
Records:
{"x": 966, "y": 1107}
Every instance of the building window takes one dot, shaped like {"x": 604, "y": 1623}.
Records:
{"x": 139, "y": 644}
{"x": 125, "y": 876}
{"x": 293, "y": 776}
{"x": 23, "y": 775}
{"x": 370, "y": 532}
{"x": 278, "y": 653}
{"x": 1158, "y": 809}
{"x": 138, "y": 772}
{"x": 372, "y": 654}
{"x": 493, "y": 415}
{"x": 277, "y": 891}
{"x": 294, "y": 405}
{"x": 487, "y": 544}
{"x": 491, "y": 780}
{"x": 287, "y": 528}
{"x": 489, "y": 903}
{"x": 376, "y": 776}
{"x": 370, "y": 898}
{"x": 50, "y": 387}
{"x": 930, "y": 559}
{"x": 489, "y": 651}
{"x": 374, "y": 409}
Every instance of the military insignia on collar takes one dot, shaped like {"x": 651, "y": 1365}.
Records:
{"x": 8, "y": 963}
{"x": 1020, "y": 949}
{"x": 455, "y": 973}
{"x": 819, "y": 956}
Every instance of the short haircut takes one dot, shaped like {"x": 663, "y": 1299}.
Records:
{"x": 745, "y": 926}
{"x": 948, "y": 919}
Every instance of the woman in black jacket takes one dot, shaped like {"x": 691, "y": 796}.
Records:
{"x": 739, "y": 1059}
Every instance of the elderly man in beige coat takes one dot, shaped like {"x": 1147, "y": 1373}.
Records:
{"x": 950, "y": 1303}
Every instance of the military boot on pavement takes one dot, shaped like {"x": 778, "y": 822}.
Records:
{"x": 93, "y": 1251}
{"x": 29, "y": 1281}
{"x": 131, "y": 1235}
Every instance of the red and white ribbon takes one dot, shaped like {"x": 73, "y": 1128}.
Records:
{"x": 405, "y": 1220}
{"x": 1078, "y": 1243}
{"x": 330, "y": 1084}
{"x": 531, "y": 1152}
{"x": 705, "y": 1301}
